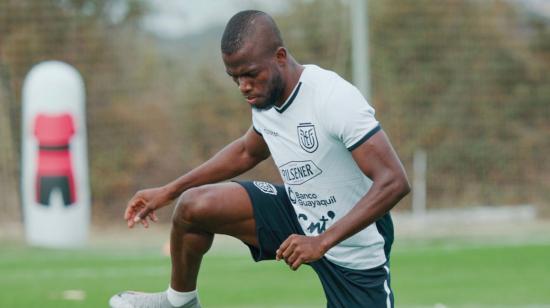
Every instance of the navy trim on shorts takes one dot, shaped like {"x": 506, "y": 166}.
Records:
{"x": 345, "y": 287}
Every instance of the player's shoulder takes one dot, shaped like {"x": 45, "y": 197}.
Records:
{"x": 321, "y": 82}
{"x": 317, "y": 77}
{"x": 331, "y": 87}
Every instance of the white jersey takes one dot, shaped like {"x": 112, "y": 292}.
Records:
{"x": 310, "y": 138}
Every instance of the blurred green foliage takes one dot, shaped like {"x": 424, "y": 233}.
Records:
{"x": 465, "y": 80}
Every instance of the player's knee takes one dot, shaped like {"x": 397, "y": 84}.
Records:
{"x": 191, "y": 207}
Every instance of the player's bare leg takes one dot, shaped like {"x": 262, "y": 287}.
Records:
{"x": 200, "y": 213}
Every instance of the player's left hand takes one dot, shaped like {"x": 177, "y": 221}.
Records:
{"x": 299, "y": 249}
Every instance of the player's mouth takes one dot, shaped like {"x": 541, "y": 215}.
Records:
{"x": 251, "y": 99}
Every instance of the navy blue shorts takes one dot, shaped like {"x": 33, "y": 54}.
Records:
{"x": 344, "y": 287}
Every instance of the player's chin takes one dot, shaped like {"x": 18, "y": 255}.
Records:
{"x": 262, "y": 105}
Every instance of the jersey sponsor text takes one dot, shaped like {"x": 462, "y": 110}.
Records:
{"x": 309, "y": 199}
{"x": 299, "y": 172}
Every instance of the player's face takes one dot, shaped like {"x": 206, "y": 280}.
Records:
{"x": 258, "y": 76}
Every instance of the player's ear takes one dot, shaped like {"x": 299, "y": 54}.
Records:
{"x": 281, "y": 55}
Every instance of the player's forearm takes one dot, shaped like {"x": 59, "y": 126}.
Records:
{"x": 382, "y": 197}
{"x": 228, "y": 163}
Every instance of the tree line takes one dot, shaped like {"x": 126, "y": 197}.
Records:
{"x": 464, "y": 80}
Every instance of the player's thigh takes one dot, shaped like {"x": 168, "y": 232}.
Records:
{"x": 223, "y": 208}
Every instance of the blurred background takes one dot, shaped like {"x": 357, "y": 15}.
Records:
{"x": 462, "y": 85}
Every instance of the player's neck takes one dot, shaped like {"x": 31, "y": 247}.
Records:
{"x": 293, "y": 77}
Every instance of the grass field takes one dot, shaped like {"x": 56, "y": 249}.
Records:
{"x": 431, "y": 274}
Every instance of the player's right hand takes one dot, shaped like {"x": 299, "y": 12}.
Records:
{"x": 143, "y": 204}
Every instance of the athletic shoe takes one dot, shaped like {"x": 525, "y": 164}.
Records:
{"x": 131, "y": 299}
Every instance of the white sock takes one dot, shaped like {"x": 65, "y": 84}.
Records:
{"x": 177, "y": 298}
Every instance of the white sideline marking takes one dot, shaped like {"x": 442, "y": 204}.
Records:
{"x": 74, "y": 295}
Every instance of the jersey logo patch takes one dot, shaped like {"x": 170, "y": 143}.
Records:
{"x": 307, "y": 137}
{"x": 266, "y": 187}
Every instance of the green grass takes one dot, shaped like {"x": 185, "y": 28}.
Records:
{"x": 500, "y": 276}
{"x": 460, "y": 276}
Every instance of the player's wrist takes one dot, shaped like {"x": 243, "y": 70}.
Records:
{"x": 169, "y": 192}
{"x": 324, "y": 243}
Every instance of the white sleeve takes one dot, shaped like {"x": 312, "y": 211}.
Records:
{"x": 348, "y": 116}
{"x": 255, "y": 125}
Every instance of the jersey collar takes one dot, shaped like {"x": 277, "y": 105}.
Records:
{"x": 290, "y": 99}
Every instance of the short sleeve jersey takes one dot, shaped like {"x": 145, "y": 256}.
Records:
{"x": 310, "y": 138}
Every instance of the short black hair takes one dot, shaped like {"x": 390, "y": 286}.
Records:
{"x": 239, "y": 28}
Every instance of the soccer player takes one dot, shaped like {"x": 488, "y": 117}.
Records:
{"x": 341, "y": 178}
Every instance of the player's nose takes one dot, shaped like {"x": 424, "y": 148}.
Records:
{"x": 245, "y": 86}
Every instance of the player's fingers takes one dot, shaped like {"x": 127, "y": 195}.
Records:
{"x": 149, "y": 218}
{"x": 293, "y": 257}
{"x": 282, "y": 248}
{"x": 130, "y": 218}
{"x": 131, "y": 208}
{"x": 144, "y": 222}
{"x": 296, "y": 264}
{"x": 130, "y": 214}
{"x": 289, "y": 250}
{"x": 143, "y": 213}
{"x": 153, "y": 217}
{"x": 127, "y": 212}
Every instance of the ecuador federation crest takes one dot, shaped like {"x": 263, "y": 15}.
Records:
{"x": 307, "y": 137}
